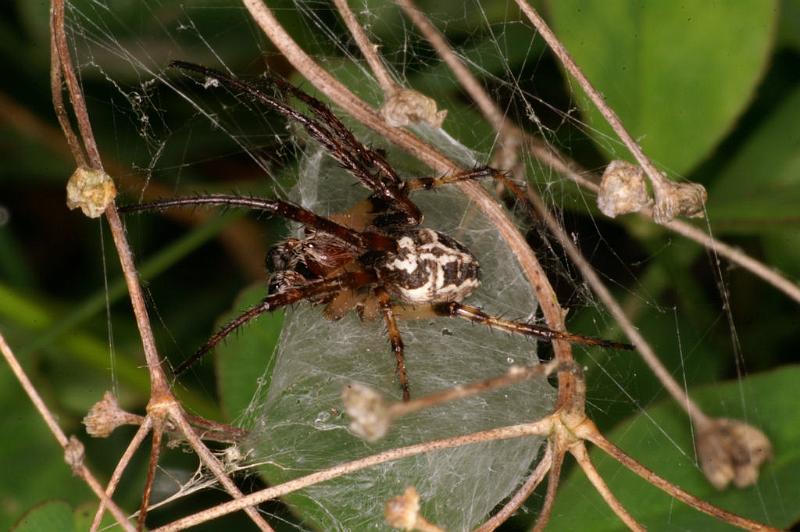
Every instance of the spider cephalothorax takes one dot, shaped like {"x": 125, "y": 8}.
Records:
{"x": 374, "y": 258}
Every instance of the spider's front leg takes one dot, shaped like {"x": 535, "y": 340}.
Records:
{"x": 312, "y": 291}
{"x": 395, "y": 340}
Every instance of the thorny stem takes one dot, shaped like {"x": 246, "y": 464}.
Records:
{"x": 80, "y": 469}
{"x": 594, "y": 436}
{"x": 522, "y": 494}
{"x": 119, "y": 469}
{"x": 580, "y": 454}
{"x": 659, "y": 182}
{"x": 537, "y": 428}
{"x": 368, "y": 50}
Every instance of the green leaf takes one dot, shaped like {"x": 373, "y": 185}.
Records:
{"x": 677, "y": 73}
{"x": 760, "y": 187}
{"x": 246, "y": 359}
{"x": 36, "y": 461}
{"x": 53, "y": 516}
{"x": 661, "y": 439}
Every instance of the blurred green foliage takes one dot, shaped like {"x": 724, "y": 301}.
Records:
{"x": 710, "y": 88}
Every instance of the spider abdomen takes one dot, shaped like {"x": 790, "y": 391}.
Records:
{"x": 428, "y": 267}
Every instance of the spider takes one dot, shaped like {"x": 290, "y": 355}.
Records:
{"x": 375, "y": 258}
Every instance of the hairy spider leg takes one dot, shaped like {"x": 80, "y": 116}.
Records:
{"x": 329, "y": 131}
{"x": 429, "y": 183}
{"x": 318, "y": 287}
{"x": 395, "y": 339}
{"x": 366, "y": 239}
{"x": 454, "y": 309}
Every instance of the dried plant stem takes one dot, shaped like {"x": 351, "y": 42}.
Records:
{"x": 522, "y": 494}
{"x": 362, "y": 112}
{"x": 538, "y": 428}
{"x": 368, "y": 50}
{"x": 152, "y": 466}
{"x": 80, "y": 469}
{"x": 162, "y": 403}
{"x": 659, "y": 182}
{"x": 598, "y": 439}
{"x": 177, "y": 415}
{"x": 553, "y": 480}
{"x": 512, "y": 376}
{"x": 119, "y": 469}
{"x": 493, "y": 114}
{"x": 467, "y": 81}
{"x": 601, "y": 290}
{"x": 582, "y": 456}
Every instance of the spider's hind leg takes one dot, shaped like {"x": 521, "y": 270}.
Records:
{"x": 455, "y": 309}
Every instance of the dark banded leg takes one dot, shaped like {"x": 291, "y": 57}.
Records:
{"x": 395, "y": 340}
{"x": 367, "y": 165}
{"x": 428, "y": 183}
{"x": 275, "y": 301}
{"x": 287, "y": 210}
{"x": 474, "y": 314}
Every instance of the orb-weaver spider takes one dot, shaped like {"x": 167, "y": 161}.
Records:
{"x": 374, "y": 258}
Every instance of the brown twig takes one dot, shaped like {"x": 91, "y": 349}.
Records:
{"x": 593, "y": 435}
{"x": 537, "y": 428}
{"x": 177, "y": 415}
{"x": 522, "y": 494}
{"x": 580, "y": 454}
{"x": 368, "y": 50}
{"x": 80, "y": 469}
{"x": 119, "y": 469}
{"x": 662, "y": 187}
{"x": 553, "y": 480}
{"x": 162, "y": 403}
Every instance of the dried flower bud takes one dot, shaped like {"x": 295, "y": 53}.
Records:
{"x": 406, "y": 107}
{"x": 622, "y": 190}
{"x": 679, "y": 199}
{"x": 368, "y": 410}
{"x": 730, "y": 450}
{"x": 106, "y": 415}
{"x": 91, "y": 190}
{"x": 74, "y": 453}
{"x": 403, "y": 512}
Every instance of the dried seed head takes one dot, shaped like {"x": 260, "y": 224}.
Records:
{"x": 91, "y": 190}
{"x": 407, "y": 107}
{"x": 368, "y": 410}
{"x": 730, "y": 450}
{"x": 622, "y": 190}
{"x": 403, "y": 512}
{"x": 679, "y": 199}
{"x": 106, "y": 415}
{"x": 74, "y": 453}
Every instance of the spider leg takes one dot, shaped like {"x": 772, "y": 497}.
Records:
{"x": 329, "y": 131}
{"x": 396, "y": 341}
{"x": 428, "y": 183}
{"x": 474, "y": 314}
{"x": 285, "y": 209}
{"x": 272, "y": 302}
